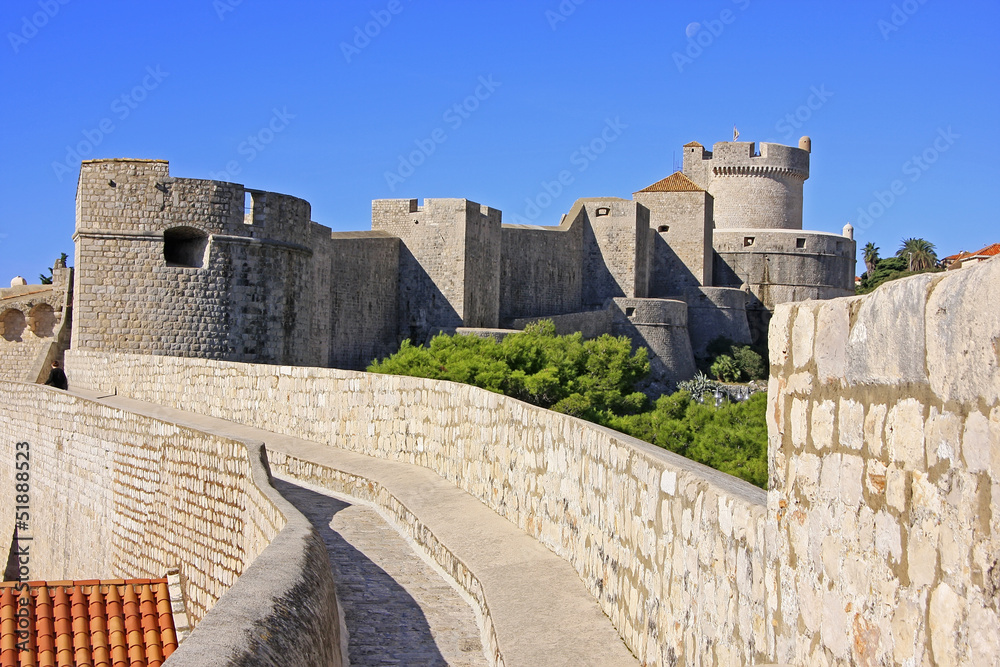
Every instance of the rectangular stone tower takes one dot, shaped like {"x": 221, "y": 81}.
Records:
{"x": 680, "y": 214}
{"x": 449, "y": 263}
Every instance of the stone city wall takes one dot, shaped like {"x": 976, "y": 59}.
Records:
{"x": 119, "y": 494}
{"x": 441, "y": 243}
{"x": 672, "y": 550}
{"x": 682, "y": 244}
{"x": 884, "y": 426}
{"x": 541, "y": 268}
{"x": 785, "y": 265}
{"x": 714, "y": 312}
{"x": 362, "y": 301}
{"x": 617, "y": 250}
{"x": 179, "y": 266}
{"x": 34, "y": 327}
{"x": 661, "y": 326}
{"x": 590, "y": 323}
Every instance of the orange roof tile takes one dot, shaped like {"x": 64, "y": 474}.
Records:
{"x": 988, "y": 251}
{"x": 91, "y": 622}
{"x": 675, "y": 182}
{"x": 692, "y": 143}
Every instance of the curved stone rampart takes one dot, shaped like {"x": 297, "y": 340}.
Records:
{"x": 671, "y": 549}
{"x": 785, "y": 265}
{"x": 114, "y": 493}
{"x": 714, "y": 312}
{"x": 661, "y": 326}
{"x": 192, "y": 267}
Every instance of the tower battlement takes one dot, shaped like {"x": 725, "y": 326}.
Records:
{"x": 757, "y": 189}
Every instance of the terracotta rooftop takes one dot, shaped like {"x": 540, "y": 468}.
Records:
{"x": 675, "y": 182}
{"x": 693, "y": 143}
{"x": 103, "y": 623}
{"x": 988, "y": 251}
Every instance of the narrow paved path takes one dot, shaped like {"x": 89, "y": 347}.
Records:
{"x": 397, "y": 608}
{"x": 541, "y": 612}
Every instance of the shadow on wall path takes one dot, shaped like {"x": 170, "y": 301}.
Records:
{"x": 397, "y": 609}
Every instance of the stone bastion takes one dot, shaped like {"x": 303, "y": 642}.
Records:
{"x": 876, "y": 543}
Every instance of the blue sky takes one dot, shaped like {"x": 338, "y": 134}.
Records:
{"x": 341, "y": 103}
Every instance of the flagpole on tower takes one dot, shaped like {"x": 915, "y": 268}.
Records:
{"x": 736, "y": 133}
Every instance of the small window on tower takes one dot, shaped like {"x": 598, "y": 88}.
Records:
{"x": 603, "y": 210}
{"x": 800, "y": 243}
{"x": 629, "y": 312}
{"x": 747, "y": 241}
{"x": 663, "y": 228}
{"x": 184, "y": 246}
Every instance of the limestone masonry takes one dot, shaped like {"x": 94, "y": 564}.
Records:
{"x": 210, "y": 269}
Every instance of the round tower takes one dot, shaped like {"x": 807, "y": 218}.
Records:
{"x": 753, "y": 190}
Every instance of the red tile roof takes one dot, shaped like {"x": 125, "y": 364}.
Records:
{"x": 988, "y": 251}
{"x": 692, "y": 143}
{"x": 110, "y": 623}
{"x": 675, "y": 182}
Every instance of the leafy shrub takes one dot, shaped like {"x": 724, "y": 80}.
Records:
{"x": 595, "y": 380}
{"x": 725, "y": 369}
{"x": 731, "y": 438}
{"x": 750, "y": 363}
{"x": 888, "y": 269}
{"x": 566, "y": 373}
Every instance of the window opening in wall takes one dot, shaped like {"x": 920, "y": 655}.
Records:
{"x": 840, "y": 246}
{"x": 747, "y": 241}
{"x": 800, "y": 243}
{"x": 184, "y": 246}
{"x": 42, "y": 320}
{"x": 12, "y": 325}
{"x": 629, "y": 312}
{"x": 663, "y": 228}
{"x": 247, "y": 207}
{"x": 603, "y": 210}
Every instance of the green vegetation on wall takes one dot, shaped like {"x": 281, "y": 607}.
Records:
{"x": 596, "y": 380}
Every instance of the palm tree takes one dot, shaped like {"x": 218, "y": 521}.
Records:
{"x": 871, "y": 257}
{"x": 919, "y": 254}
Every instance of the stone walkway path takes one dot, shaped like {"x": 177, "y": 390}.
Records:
{"x": 541, "y": 612}
{"x": 397, "y": 608}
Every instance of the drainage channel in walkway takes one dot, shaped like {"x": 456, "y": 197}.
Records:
{"x": 397, "y": 608}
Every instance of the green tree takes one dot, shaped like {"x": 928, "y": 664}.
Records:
{"x": 871, "y": 257}
{"x": 47, "y": 279}
{"x": 725, "y": 369}
{"x": 595, "y": 380}
{"x": 918, "y": 253}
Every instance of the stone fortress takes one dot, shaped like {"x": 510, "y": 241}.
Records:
{"x": 209, "y": 269}
{"x": 875, "y": 544}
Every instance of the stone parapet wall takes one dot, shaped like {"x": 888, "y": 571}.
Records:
{"x": 785, "y": 265}
{"x": 714, "y": 312}
{"x": 34, "y": 327}
{"x": 541, "y": 268}
{"x": 119, "y": 494}
{"x": 672, "y": 550}
{"x": 590, "y": 323}
{"x": 884, "y": 426}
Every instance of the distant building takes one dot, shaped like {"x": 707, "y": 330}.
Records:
{"x": 965, "y": 259}
{"x": 203, "y": 268}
